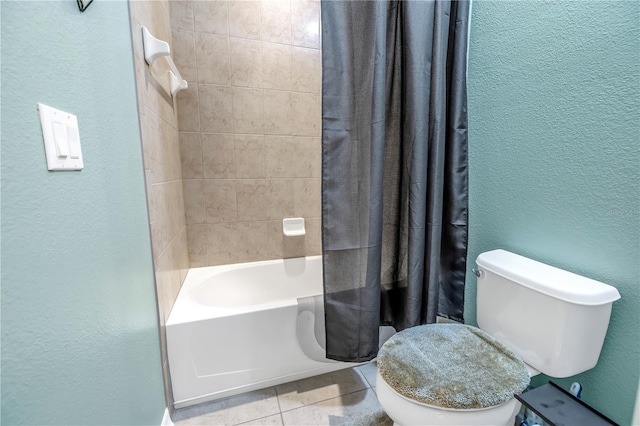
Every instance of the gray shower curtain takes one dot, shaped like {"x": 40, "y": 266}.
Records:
{"x": 394, "y": 168}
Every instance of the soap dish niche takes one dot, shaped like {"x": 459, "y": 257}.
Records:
{"x": 293, "y": 227}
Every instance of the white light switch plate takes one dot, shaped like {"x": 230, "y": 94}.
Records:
{"x": 61, "y": 139}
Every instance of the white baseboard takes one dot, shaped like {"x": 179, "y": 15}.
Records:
{"x": 166, "y": 419}
{"x": 636, "y": 412}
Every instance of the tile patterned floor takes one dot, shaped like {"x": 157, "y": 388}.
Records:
{"x": 330, "y": 399}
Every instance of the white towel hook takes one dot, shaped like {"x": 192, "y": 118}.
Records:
{"x": 155, "y": 48}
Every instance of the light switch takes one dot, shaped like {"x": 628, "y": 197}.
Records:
{"x": 74, "y": 142}
{"x": 61, "y": 139}
{"x": 60, "y": 135}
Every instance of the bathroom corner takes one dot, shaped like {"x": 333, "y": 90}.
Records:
{"x": 158, "y": 115}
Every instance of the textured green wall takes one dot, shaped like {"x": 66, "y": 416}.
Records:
{"x": 79, "y": 324}
{"x": 554, "y": 142}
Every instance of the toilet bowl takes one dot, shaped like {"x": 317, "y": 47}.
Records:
{"x": 550, "y": 320}
{"x": 410, "y": 412}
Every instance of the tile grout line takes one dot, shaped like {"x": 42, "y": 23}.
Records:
{"x": 362, "y": 375}
{"x": 365, "y": 377}
{"x": 199, "y": 133}
{"x": 328, "y": 399}
{"x": 275, "y": 388}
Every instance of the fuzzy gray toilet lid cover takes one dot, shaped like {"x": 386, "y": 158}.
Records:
{"x": 451, "y": 366}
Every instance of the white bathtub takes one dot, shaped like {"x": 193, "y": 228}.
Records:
{"x": 241, "y": 327}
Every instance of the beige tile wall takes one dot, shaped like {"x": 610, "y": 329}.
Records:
{"x": 250, "y": 126}
{"x": 161, "y": 153}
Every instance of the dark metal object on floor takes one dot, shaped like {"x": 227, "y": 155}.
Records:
{"x": 557, "y": 407}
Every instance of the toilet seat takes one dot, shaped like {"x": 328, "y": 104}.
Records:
{"x": 451, "y": 366}
{"x": 447, "y": 373}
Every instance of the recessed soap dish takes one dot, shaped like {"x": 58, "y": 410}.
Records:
{"x": 293, "y": 226}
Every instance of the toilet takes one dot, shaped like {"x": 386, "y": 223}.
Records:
{"x": 532, "y": 318}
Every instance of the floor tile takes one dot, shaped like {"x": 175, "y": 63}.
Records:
{"x": 341, "y": 410}
{"x": 275, "y": 420}
{"x": 369, "y": 372}
{"x": 319, "y": 388}
{"x": 230, "y": 411}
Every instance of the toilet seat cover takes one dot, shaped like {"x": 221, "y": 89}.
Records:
{"x": 451, "y": 366}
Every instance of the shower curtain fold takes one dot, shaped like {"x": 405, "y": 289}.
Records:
{"x": 394, "y": 168}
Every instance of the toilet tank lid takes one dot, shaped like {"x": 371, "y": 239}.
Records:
{"x": 546, "y": 279}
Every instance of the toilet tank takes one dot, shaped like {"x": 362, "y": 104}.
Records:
{"x": 553, "y": 319}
